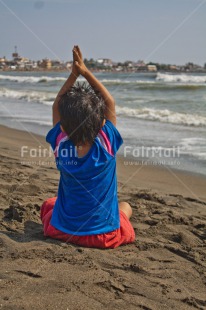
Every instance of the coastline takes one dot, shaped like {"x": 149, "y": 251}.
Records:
{"x": 164, "y": 268}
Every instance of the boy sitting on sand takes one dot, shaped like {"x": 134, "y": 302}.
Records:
{"x": 85, "y": 142}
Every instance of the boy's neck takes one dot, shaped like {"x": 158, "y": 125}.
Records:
{"x": 82, "y": 150}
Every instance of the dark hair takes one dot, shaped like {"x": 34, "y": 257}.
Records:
{"x": 81, "y": 113}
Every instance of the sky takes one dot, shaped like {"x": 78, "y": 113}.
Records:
{"x": 164, "y": 31}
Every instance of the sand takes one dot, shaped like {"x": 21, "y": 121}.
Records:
{"x": 164, "y": 269}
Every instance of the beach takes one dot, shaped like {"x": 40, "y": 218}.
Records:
{"x": 165, "y": 268}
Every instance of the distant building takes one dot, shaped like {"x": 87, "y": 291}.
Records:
{"x": 69, "y": 65}
{"x": 105, "y": 62}
{"x": 21, "y": 62}
{"x": 173, "y": 67}
{"x": 119, "y": 68}
{"x": 152, "y": 68}
{"x": 56, "y": 64}
{"x": 46, "y": 63}
{"x": 3, "y": 62}
{"x": 141, "y": 65}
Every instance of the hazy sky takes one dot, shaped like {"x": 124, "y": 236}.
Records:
{"x": 167, "y": 31}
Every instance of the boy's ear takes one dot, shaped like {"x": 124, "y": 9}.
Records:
{"x": 103, "y": 123}
{"x": 62, "y": 129}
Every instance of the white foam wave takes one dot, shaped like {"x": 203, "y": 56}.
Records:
{"x": 31, "y": 79}
{"x": 122, "y": 81}
{"x": 41, "y": 97}
{"x": 164, "y": 116}
{"x": 45, "y": 79}
{"x": 27, "y": 119}
{"x": 114, "y": 81}
{"x": 183, "y": 78}
{"x": 193, "y": 146}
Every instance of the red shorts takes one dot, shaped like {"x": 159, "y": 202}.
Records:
{"x": 123, "y": 235}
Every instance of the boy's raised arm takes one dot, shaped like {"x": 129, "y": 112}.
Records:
{"x": 97, "y": 85}
{"x": 65, "y": 88}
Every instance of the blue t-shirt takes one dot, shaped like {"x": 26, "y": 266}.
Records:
{"x": 87, "y": 201}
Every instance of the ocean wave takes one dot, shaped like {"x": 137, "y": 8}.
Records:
{"x": 122, "y": 81}
{"x": 193, "y": 146}
{"x": 160, "y": 83}
{"x": 163, "y": 116}
{"x": 27, "y": 119}
{"x": 31, "y": 79}
{"x": 48, "y": 79}
{"x": 40, "y": 97}
{"x": 183, "y": 78}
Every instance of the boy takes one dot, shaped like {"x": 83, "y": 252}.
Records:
{"x": 85, "y": 141}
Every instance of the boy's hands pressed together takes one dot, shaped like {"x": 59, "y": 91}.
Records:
{"x": 78, "y": 61}
{"x": 75, "y": 70}
{"x": 64, "y": 89}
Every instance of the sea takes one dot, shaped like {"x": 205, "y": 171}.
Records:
{"x": 161, "y": 116}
